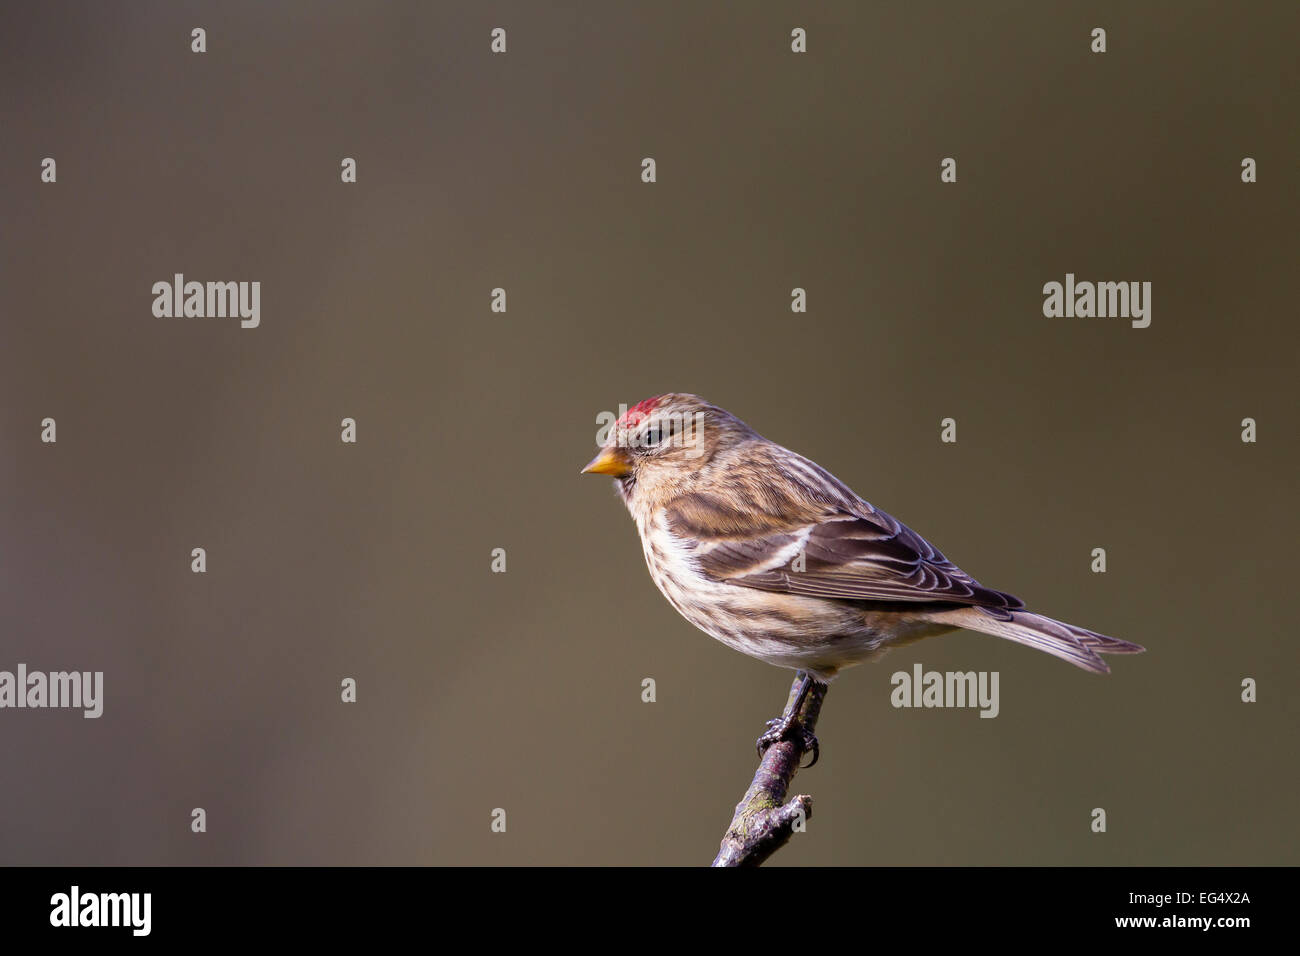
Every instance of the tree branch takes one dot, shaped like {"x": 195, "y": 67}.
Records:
{"x": 764, "y": 822}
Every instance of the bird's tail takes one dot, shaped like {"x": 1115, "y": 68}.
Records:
{"x": 1077, "y": 645}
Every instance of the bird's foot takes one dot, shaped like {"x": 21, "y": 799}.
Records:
{"x": 789, "y": 728}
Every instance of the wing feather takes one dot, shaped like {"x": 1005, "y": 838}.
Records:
{"x": 814, "y": 537}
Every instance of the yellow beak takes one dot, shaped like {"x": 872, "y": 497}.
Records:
{"x": 610, "y": 461}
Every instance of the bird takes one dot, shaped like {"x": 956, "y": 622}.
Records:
{"x": 771, "y": 554}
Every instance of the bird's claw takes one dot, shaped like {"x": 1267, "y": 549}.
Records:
{"x": 789, "y": 728}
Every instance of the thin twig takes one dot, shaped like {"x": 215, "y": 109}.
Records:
{"x": 764, "y": 821}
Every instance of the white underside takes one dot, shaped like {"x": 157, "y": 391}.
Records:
{"x": 817, "y": 635}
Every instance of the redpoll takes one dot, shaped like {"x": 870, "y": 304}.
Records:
{"x": 775, "y": 557}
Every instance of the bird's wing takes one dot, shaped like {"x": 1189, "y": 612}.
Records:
{"x": 812, "y": 536}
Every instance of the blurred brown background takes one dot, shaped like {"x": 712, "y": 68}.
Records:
{"x": 522, "y": 690}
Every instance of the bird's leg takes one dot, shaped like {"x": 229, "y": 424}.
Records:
{"x": 788, "y": 725}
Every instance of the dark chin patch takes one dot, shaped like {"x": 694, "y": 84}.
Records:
{"x": 624, "y": 486}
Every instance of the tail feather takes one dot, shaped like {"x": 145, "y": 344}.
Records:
{"x": 1101, "y": 642}
{"x": 1077, "y": 645}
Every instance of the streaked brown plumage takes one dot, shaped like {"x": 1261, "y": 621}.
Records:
{"x": 772, "y": 555}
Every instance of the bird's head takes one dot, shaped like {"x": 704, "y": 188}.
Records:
{"x": 665, "y": 440}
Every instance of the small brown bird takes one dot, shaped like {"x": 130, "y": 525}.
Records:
{"x": 775, "y": 557}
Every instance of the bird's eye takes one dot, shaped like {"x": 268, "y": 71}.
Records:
{"x": 653, "y": 436}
